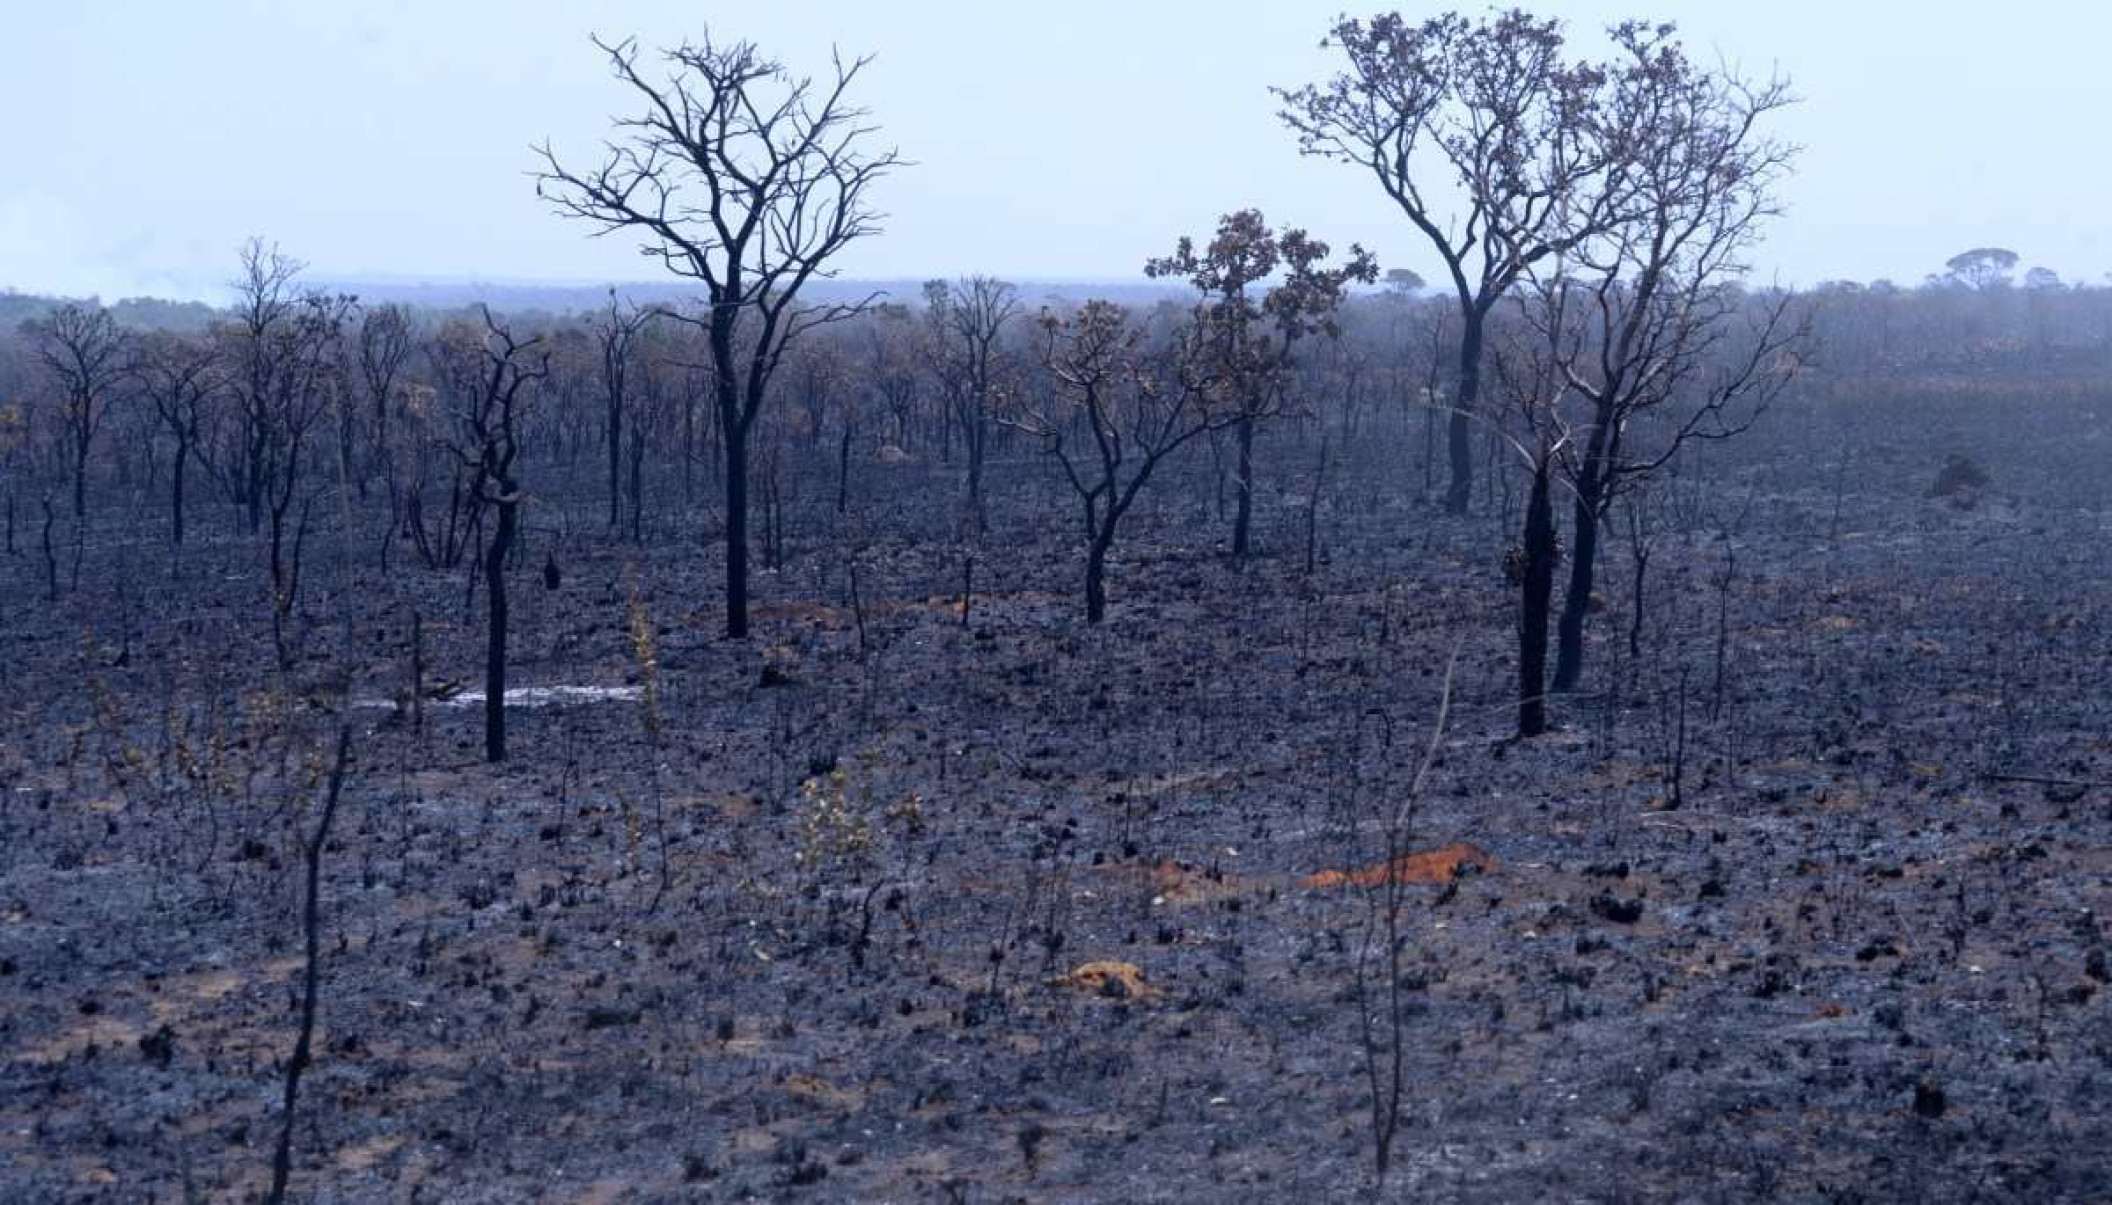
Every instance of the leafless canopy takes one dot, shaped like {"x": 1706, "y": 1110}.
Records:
{"x": 750, "y": 181}
{"x": 737, "y": 175}
{"x": 1649, "y": 315}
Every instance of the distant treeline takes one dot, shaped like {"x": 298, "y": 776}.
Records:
{"x": 1861, "y": 328}
{"x": 529, "y": 300}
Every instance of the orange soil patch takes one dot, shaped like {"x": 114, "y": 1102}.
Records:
{"x": 1428, "y": 866}
{"x": 1116, "y": 980}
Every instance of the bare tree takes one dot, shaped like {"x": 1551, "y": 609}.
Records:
{"x": 1528, "y": 366}
{"x": 385, "y": 343}
{"x": 1489, "y": 109}
{"x": 85, "y": 351}
{"x": 894, "y": 367}
{"x": 968, "y": 320}
{"x": 179, "y": 377}
{"x": 487, "y": 443}
{"x": 307, "y": 380}
{"x": 1241, "y": 343}
{"x": 749, "y": 180}
{"x": 258, "y": 350}
{"x": 1093, "y": 358}
{"x": 1656, "y": 343}
{"x": 616, "y": 329}
{"x": 312, "y": 847}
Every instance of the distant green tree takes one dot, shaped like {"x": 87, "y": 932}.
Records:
{"x": 1982, "y": 267}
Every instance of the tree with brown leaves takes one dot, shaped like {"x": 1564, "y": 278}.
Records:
{"x": 1240, "y": 336}
{"x": 1493, "y": 111}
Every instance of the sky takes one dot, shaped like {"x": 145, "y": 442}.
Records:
{"x": 141, "y": 140}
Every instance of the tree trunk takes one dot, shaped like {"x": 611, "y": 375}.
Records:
{"x": 1576, "y": 601}
{"x": 183, "y": 453}
{"x": 974, "y": 435}
{"x": 1459, "y": 430}
{"x": 736, "y": 530}
{"x": 253, "y": 487}
{"x": 1536, "y": 593}
{"x": 843, "y": 471}
{"x": 1243, "y": 515}
{"x": 1096, "y": 577}
{"x": 495, "y": 635}
{"x": 615, "y": 466}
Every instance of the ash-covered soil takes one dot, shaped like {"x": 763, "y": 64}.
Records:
{"x": 815, "y": 915}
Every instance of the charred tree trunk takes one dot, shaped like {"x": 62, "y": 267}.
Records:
{"x": 1576, "y": 601}
{"x": 843, "y": 471}
{"x": 1594, "y": 483}
{"x": 1536, "y": 593}
{"x": 1459, "y": 430}
{"x": 615, "y": 425}
{"x": 737, "y": 530}
{"x": 495, "y": 637}
{"x": 183, "y": 454}
{"x": 80, "y": 481}
{"x": 1096, "y": 575}
{"x": 975, "y": 434}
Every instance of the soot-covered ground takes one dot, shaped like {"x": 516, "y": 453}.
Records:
{"x": 878, "y": 905}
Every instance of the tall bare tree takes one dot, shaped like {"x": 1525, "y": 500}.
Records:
{"x": 308, "y": 381}
{"x": 1657, "y": 344}
{"x": 385, "y": 344}
{"x": 260, "y": 351}
{"x": 750, "y": 180}
{"x": 1491, "y": 110}
{"x": 487, "y": 441}
{"x": 84, "y": 350}
{"x": 1529, "y": 374}
{"x": 968, "y": 319}
{"x": 616, "y": 330}
{"x": 180, "y": 378}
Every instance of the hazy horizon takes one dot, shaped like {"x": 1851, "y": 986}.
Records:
{"x": 384, "y": 141}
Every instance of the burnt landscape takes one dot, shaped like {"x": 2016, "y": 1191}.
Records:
{"x": 519, "y": 752}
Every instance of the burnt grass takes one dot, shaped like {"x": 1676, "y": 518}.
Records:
{"x": 639, "y": 962}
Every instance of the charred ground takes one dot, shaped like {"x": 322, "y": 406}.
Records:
{"x": 813, "y": 913}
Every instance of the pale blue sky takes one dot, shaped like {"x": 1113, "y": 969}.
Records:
{"x": 144, "y": 139}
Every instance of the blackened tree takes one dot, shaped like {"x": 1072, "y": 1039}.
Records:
{"x": 487, "y": 441}
{"x": 85, "y": 351}
{"x": 1657, "y": 344}
{"x": 968, "y": 319}
{"x": 180, "y": 378}
{"x": 1131, "y": 421}
{"x": 750, "y": 180}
